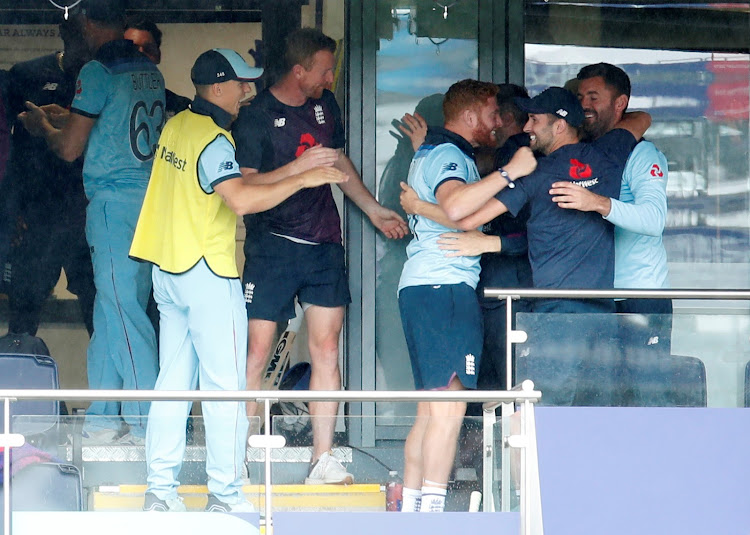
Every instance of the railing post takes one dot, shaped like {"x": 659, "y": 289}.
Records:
{"x": 8, "y": 441}
{"x": 6, "y": 466}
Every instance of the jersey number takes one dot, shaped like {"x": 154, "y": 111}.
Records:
{"x": 143, "y": 140}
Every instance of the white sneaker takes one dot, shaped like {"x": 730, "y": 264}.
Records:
{"x": 328, "y": 471}
{"x": 99, "y": 438}
{"x": 130, "y": 439}
{"x": 215, "y": 505}
{"x": 172, "y": 505}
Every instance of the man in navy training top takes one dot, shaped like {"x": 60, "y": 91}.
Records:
{"x": 294, "y": 250}
{"x": 116, "y": 117}
{"x": 567, "y": 248}
{"x": 639, "y": 216}
{"x": 49, "y": 205}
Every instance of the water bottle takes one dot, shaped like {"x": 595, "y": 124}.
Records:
{"x": 393, "y": 492}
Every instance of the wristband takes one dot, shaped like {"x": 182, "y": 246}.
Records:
{"x": 504, "y": 174}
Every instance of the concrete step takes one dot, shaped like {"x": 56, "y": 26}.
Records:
{"x": 317, "y": 498}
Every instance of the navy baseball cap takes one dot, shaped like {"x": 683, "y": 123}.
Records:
{"x": 557, "y": 101}
{"x": 221, "y": 65}
{"x": 109, "y": 11}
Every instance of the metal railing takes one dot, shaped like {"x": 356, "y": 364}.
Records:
{"x": 514, "y": 294}
{"x": 524, "y": 395}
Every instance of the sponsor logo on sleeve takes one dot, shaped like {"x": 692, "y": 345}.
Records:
{"x": 656, "y": 171}
{"x": 225, "y": 166}
{"x": 451, "y": 166}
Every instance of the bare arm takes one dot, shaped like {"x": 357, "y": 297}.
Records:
{"x": 412, "y": 204}
{"x": 317, "y": 156}
{"x": 572, "y": 196}
{"x": 243, "y": 198}
{"x": 465, "y": 201}
{"x": 67, "y": 142}
{"x": 469, "y": 243}
{"x": 415, "y": 128}
{"x": 635, "y": 122}
{"x": 386, "y": 221}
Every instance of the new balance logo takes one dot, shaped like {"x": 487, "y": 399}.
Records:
{"x": 278, "y": 123}
{"x": 249, "y": 291}
{"x": 562, "y": 113}
{"x": 50, "y": 86}
{"x": 226, "y": 166}
{"x": 319, "y": 116}
{"x": 471, "y": 366}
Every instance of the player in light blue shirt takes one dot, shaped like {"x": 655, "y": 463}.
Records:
{"x": 438, "y": 304}
{"x": 639, "y": 217}
{"x": 115, "y": 121}
{"x": 432, "y": 166}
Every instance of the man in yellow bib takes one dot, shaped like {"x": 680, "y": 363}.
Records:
{"x": 187, "y": 230}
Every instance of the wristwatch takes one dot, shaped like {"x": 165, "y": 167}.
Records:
{"x": 504, "y": 174}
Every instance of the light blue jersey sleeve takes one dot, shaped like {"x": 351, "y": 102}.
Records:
{"x": 92, "y": 90}
{"x": 642, "y": 207}
{"x": 448, "y": 163}
{"x": 217, "y": 164}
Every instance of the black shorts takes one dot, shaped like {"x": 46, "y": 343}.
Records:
{"x": 277, "y": 270}
{"x": 443, "y": 329}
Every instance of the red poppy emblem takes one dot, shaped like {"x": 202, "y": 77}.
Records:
{"x": 579, "y": 170}
{"x": 306, "y": 141}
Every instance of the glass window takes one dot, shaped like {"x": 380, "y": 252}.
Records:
{"x": 695, "y": 85}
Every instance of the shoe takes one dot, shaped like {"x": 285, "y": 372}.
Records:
{"x": 172, "y": 505}
{"x": 215, "y": 505}
{"x": 328, "y": 471}
{"x": 130, "y": 439}
{"x": 99, "y": 438}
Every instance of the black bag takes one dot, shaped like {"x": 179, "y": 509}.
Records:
{"x": 292, "y": 418}
{"x": 23, "y": 344}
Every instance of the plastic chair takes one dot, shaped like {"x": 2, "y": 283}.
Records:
{"x": 688, "y": 382}
{"x": 30, "y": 371}
{"x": 46, "y": 487}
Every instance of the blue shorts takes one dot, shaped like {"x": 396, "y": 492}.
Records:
{"x": 443, "y": 329}
{"x": 277, "y": 270}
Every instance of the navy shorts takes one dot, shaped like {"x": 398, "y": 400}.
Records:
{"x": 277, "y": 270}
{"x": 443, "y": 329}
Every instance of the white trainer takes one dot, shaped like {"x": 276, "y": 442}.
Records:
{"x": 130, "y": 439}
{"x": 328, "y": 471}
{"x": 100, "y": 437}
{"x": 154, "y": 504}
{"x": 215, "y": 505}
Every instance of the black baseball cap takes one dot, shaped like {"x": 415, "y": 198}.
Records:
{"x": 221, "y": 65}
{"x": 557, "y": 101}
{"x": 108, "y": 11}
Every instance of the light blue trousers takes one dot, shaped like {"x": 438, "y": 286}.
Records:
{"x": 122, "y": 351}
{"x": 203, "y": 338}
